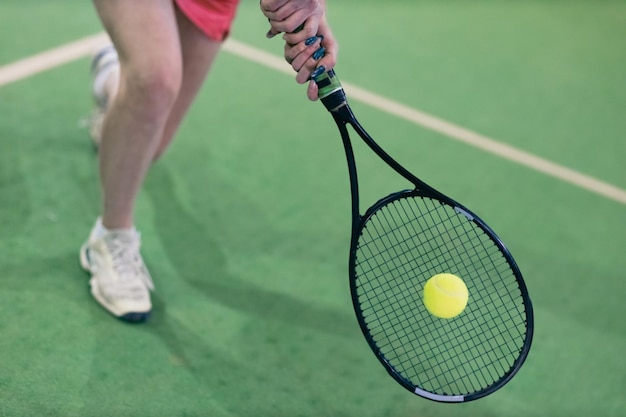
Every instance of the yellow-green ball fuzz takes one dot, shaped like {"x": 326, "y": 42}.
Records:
{"x": 445, "y": 296}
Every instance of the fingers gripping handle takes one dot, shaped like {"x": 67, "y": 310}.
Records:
{"x": 330, "y": 91}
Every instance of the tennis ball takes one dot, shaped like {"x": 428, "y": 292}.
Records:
{"x": 445, "y": 295}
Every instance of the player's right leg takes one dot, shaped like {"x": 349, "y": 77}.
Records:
{"x": 145, "y": 35}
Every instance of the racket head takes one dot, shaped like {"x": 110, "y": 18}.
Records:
{"x": 402, "y": 241}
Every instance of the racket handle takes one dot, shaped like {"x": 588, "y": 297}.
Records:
{"x": 330, "y": 91}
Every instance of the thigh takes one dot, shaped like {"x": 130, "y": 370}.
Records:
{"x": 203, "y": 25}
{"x": 198, "y": 53}
{"x": 144, "y": 32}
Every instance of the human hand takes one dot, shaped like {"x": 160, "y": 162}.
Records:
{"x": 312, "y": 56}
{"x": 285, "y": 16}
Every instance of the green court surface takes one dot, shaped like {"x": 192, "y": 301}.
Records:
{"x": 245, "y": 221}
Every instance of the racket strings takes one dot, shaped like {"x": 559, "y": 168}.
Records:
{"x": 402, "y": 245}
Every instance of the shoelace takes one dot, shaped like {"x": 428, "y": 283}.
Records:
{"x": 124, "y": 249}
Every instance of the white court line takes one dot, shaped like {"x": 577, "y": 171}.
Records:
{"x": 75, "y": 50}
{"x": 446, "y": 128}
{"x": 50, "y": 59}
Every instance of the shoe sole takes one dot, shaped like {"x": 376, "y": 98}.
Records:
{"x": 131, "y": 317}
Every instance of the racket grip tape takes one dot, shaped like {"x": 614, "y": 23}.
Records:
{"x": 330, "y": 90}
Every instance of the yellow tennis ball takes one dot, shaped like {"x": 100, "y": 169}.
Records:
{"x": 445, "y": 295}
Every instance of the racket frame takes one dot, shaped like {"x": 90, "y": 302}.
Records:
{"x": 334, "y": 99}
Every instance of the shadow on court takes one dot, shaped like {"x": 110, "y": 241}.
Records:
{"x": 199, "y": 259}
{"x": 278, "y": 352}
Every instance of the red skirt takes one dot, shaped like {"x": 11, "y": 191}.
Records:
{"x": 213, "y": 17}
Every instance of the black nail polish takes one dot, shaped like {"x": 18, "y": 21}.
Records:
{"x": 318, "y": 71}
{"x": 319, "y": 53}
{"x": 310, "y": 41}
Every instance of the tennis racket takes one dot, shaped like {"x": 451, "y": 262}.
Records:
{"x": 396, "y": 246}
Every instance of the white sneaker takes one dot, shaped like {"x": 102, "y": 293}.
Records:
{"x": 105, "y": 71}
{"x": 120, "y": 281}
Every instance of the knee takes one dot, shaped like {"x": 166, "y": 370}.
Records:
{"x": 154, "y": 88}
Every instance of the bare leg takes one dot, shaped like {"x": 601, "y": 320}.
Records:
{"x": 152, "y": 99}
{"x": 198, "y": 53}
{"x": 163, "y": 62}
{"x": 145, "y": 34}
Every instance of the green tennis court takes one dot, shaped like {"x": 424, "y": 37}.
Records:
{"x": 246, "y": 221}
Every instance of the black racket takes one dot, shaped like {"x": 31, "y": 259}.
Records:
{"x": 397, "y": 245}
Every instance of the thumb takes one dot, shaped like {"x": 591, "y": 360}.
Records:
{"x": 271, "y": 33}
{"x": 312, "y": 91}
